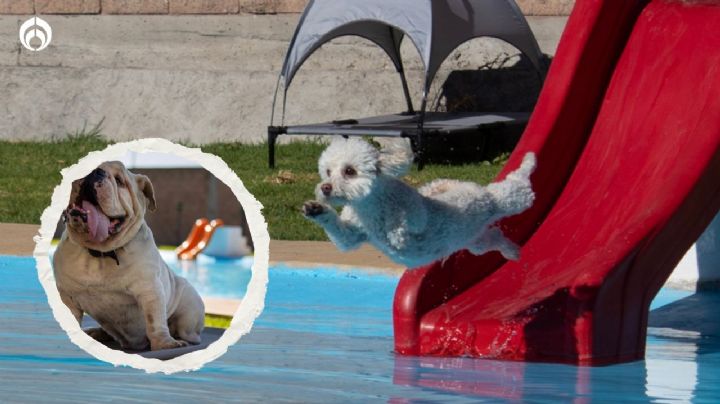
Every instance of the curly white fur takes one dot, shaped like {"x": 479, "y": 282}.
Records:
{"x": 412, "y": 227}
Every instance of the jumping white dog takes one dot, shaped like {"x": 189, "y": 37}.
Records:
{"x": 412, "y": 227}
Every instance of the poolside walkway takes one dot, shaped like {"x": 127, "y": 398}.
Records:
{"x": 17, "y": 239}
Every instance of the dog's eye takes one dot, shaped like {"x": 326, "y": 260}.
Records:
{"x": 118, "y": 181}
{"x": 349, "y": 171}
{"x": 327, "y": 172}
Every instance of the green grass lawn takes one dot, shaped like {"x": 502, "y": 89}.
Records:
{"x": 29, "y": 172}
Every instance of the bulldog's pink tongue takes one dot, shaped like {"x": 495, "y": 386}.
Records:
{"x": 98, "y": 223}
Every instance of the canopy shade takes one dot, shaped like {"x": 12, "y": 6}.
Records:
{"x": 435, "y": 27}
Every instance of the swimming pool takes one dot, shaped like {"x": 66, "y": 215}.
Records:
{"x": 326, "y": 335}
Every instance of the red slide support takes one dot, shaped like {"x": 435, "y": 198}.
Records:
{"x": 625, "y": 183}
{"x": 574, "y": 87}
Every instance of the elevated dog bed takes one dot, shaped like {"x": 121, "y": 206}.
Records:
{"x": 435, "y": 28}
{"x": 405, "y": 125}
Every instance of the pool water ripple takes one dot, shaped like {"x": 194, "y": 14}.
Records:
{"x": 326, "y": 336}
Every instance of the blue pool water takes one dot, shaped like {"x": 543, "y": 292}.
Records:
{"x": 328, "y": 301}
{"x": 326, "y": 336}
{"x": 211, "y": 277}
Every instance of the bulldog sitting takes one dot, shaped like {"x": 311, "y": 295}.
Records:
{"x": 107, "y": 265}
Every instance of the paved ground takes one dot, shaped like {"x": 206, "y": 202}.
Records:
{"x": 17, "y": 239}
{"x": 201, "y": 78}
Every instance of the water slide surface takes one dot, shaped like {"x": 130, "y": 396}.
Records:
{"x": 198, "y": 238}
{"x": 627, "y": 133}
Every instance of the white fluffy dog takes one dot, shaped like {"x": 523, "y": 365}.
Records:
{"x": 412, "y": 227}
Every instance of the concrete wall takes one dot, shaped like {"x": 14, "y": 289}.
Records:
{"x": 150, "y": 6}
{"x": 529, "y": 7}
{"x": 201, "y": 78}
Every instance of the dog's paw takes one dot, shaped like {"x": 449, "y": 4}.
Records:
{"x": 398, "y": 237}
{"x": 314, "y": 209}
{"x": 167, "y": 343}
{"x": 99, "y": 335}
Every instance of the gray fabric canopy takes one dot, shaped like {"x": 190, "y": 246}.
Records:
{"x": 435, "y": 27}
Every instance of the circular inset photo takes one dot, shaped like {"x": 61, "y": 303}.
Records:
{"x": 153, "y": 255}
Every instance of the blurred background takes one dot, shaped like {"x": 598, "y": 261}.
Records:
{"x": 184, "y": 192}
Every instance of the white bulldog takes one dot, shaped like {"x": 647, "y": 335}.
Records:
{"x": 107, "y": 265}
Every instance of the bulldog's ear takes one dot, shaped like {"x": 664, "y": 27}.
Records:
{"x": 145, "y": 186}
{"x": 75, "y": 187}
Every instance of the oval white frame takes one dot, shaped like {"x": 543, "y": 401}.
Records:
{"x": 252, "y": 303}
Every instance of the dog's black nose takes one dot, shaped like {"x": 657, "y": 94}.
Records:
{"x": 87, "y": 187}
{"x": 326, "y": 189}
{"x": 96, "y": 175}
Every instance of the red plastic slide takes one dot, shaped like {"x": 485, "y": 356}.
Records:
{"x": 624, "y": 186}
{"x": 198, "y": 239}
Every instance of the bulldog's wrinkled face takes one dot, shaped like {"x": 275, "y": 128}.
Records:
{"x": 347, "y": 168}
{"x": 107, "y": 206}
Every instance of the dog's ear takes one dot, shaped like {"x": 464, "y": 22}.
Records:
{"x": 396, "y": 157}
{"x": 337, "y": 139}
{"x": 75, "y": 189}
{"x": 145, "y": 186}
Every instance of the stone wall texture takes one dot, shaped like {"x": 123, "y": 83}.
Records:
{"x": 211, "y": 78}
{"x": 529, "y": 7}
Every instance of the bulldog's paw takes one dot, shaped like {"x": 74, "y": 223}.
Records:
{"x": 313, "y": 209}
{"x": 99, "y": 335}
{"x": 167, "y": 343}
